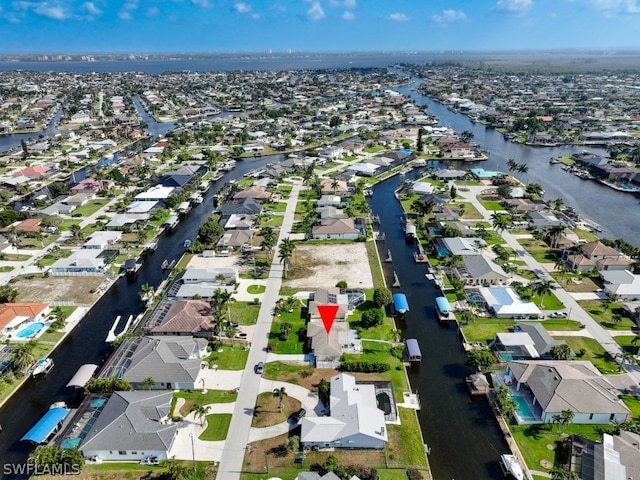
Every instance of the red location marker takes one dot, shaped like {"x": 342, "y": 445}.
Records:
{"x": 328, "y": 315}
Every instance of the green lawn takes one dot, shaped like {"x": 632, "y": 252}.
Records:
{"x": 492, "y": 205}
{"x": 232, "y": 357}
{"x": 538, "y": 442}
{"x": 627, "y": 344}
{"x": 374, "y": 265}
{"x": 470, "y": 211}
{"x": 217, "y": 427}
{"x": 538, "y": 250}
{"x": 633, "y": 403}
{"x": 244, "y": 313}
{"x": 271, "y": 221}
{"x": 484, "y": 330}
{"x": 594, "y": 352}
{"x": 295, "y": 341}
{"x": 550, "y": 302}
{"x": 559, "y": 324}
{"x": 256, "y": 289}
{"x": 91, "y": 207}
{"x": 195, "y": 397}
{"x": 276, "y": 206}
{"x": 405, "y": 441}
{"x": 67, "y": 222}
{"x": 603, "y": 312}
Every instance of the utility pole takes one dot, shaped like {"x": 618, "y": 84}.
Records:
{"x": 193, "y": 452}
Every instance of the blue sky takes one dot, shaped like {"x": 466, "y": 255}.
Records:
{"x": 139, "y": 26}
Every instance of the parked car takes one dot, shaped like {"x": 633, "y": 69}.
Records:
{"x": 259, "y": 368}
{"x": 296, "y": 416}
{"x": 150, "y": 460}
{"x": 95, "y": 460}
{"x": 558, "y": 315}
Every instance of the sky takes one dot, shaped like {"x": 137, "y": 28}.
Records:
{"x": 256, "y": 26}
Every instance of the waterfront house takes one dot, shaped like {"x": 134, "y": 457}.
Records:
{"x": 615, "y": 457}
{"x": 173, "y": 362}
{"x": 246, "y": 206}
{"x": 543, "y": 219}
{"x": 363, "y": 169}
{"x": 341, "y": 228}
{"x": 181, "y": 317}
{"x": 460, "y": 246}
{"x": 85, "y": 261}
{"x": 605, "y": 257}
{"x": 159, "y": 193}
{"x": 257, "y": 193}
{"x": 329, "y": 296}
{"x": 234, "y": 238}
{"x": 557, "y": 385}
{"x": 131, "y": 426}
{"x": 14, "y": 316}
{"x": 355, "y": 420}
{"x": 203, "y": 282}
{"x": 329, "y": 200}
{"x": 504, "y": 302}
{"x": 326, "y": 213}
{"x": 527, "y": 341}
{"x": 328, "y": 348}
{"x": 330, "y": 186}
{"x": 102, "y": 239}
{"x": 480, "y": 270}
{"x": 449, "y": 174}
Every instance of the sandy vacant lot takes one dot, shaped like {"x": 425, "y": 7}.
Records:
{"x": 325, "y": 265}
{"x": 58, "y": 289}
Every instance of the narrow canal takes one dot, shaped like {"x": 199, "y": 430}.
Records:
{"x": 464, "y": 440}
{"x": 86, "y": 344}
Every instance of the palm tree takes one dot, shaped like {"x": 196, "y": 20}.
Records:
{"x": 500, "y": 222}
{"x": 60, "y": 313}
{"x": 512, "y": 165}
{"x": 268, "y": 240}
{"x": 75, "y": 230}
{"x": 561, "y": 267}
{"x": 146, "y": 291}
{"x": 467, "y": 317}
{"x": 334, "y": 185}
{"x": 280, "y": 393}
{"x": 566, "y": 417}
{"x": 542, "y": 288}
{"x": 289, "y": 303}
{"x": 523, "y": 168}
{"x": 285, "y": 253}
{"x": 147, "y": 383}
{"x": 200, "y": 412}
{"x": 21, "y": 358}
{"x": 554, "y": 234}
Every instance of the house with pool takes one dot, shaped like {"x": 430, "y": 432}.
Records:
{"x": 22, "y": 321}
{"x": 545, "y": 388}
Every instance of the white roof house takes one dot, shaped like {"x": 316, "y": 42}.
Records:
{"x": 355, "y": 420}
{"x": 156, "y": 193}
{"x": 365, "y": 168}
{"x": 422, "y": 187}
{"x": 102, "y": 239}
{"x": 622, "y": 283}
{"x": 506, "y": 303}
{"x": 84, "y": 260}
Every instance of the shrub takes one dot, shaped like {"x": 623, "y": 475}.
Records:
{"x": 365, "y": 367}
{"x": 413, "y": 474}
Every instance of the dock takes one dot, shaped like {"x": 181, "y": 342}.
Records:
{"x": 111, "y": 336}
{"x": 396, "y": 280}
{"x": 389, "y": 259}
{"x": 420, "y": 256}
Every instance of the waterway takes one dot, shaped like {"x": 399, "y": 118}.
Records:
{"x": 461, "y": 432}
{"x": 86, "y": 343}
{"x": 618, "y": 213}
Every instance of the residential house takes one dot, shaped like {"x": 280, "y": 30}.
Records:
{"x": 14, "y": 316}
{"x": 132, "y": 426}
{"x": 173, "y": 362}
{"x": 329, "y": 200}
{"x": 615, "y": 457}
{"x": 449, "y": 174}
{"x": 85, "y": 261}
{"x": 504, "y": 302}
{"x": 101, "y": 240}
{"x": 203, "y": 282}
{"x": 239, "y": 221}
{"x": 30, "y": 225}
{"x": 159, "y": 193}
{"x": 247, "y": 206}
{"x": 328, "y": 348}
{"x": 621, "y": 284}
{"x": 234, "y": 239}
{"x": 480, "y": 270}
{"x": 363, "y": 169}
{"x": 126, "y": 220}
{"x": 558, "y": 385}
{"x": 605, "y": 257}
{"x": 355, "y": 420}
{"x": 543, "y": 219}
{"x": 580, "y": 263}
{"x": 330, "y": 186}
{"x": 528, "y": 341}
{"x": 33, "y": 173}
{"x": 257, "y": 193}
{"x": 330, "y": 213}
{"x": 342, "y": 228}
{"x": 181, "y": 317}
{"x": 87, "y": 185}
{"x": 329, "y": 296}
{"x": 460, "y": 246}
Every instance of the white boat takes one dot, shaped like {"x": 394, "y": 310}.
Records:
{"x": 42, "y": 366}
{"x": 511, "y": 467}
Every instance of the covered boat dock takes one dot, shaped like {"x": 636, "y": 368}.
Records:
{"x": 412, "y": 350}
{"x": 400, "y": 302}
{"x": 83, "y": 375}
{"x": 47, "y": 425}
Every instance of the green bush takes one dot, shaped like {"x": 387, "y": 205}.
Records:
{"x": 365, "y": 367}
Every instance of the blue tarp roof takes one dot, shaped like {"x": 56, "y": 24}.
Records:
{"x": 443, "y": 304}
{"x": 47, "y": 424}
{"x": 400, "y": 302}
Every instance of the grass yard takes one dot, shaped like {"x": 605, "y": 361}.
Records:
{"x": 374, "y": 265}
{"x": 492, "y": 205}
{"x": 276, "y": 206}
{"x": 193, "y": 397}
{"x": 405, "y": 446}
{"x": 594, "y": 352}
{"x": 539, "y": 442}
{"x": 633, "y": 403}
{"x": 271, "y": 221}
{"x": 295, "y": 341}
{"x": 627, "y": 343}
{"x": 484, "y": 330}
{"x": 90, "y": 208}
{"x": 559, "y": 324}
{"x": 267, "y": 410}
{"x": 538, "y": 250}
{"x": 231, "y": 358}
{"x": 244, "y": 313}
{"x": 217, "y": 427}
{"x": 256, "y": 289}
{"x": 470, "y": 211}
{"x": 575, "y": 283}
{"x": 550, "y": 302}
{"x": 611, "y": 316}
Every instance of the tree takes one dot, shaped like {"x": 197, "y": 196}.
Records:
{"x": 285, "y": 253}
{"x": 21, "y": 358}
{"x": 107, "y": 385}
{"x": 218, "y": 302}
{"x": 76, "y": 231}
{"x": 268, "y": 240}
{"x": 147, "y": 383}
{"x": 280, "y": 393}
{"x": 500, "y": 222}
{"x": 371, "y": 318}
{"x": 175, "y": 470}
{"x": 506, "y": 404}
{"x": 200, "y": 412}
{"x": 210, "y": 231}
{"x": 49, "y": 457}
{"x": 523, "y": 168}
{"x": 382, "y": 297}
{"x": 504, "y": 190}
{"x": 561, "y": 267}
{"x": 542, "y": 288}
{"x": 561, "y": 352}
{"x": 512, "y": 165}
{"x": 566, "y": 417}
{"x": 342, "y": 284}
{"x": 467, "y": 317}
{"x": 7, "y": 294}
{"x": 146, "y": 291}
{"x": 481, "y": 358}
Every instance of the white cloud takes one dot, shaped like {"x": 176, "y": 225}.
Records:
{"x": 242, "y": 7}
{"x": 515, "y": 6}
{"x": 315, "y": 12}
{"x": 348, "y": 15}
{"x": 449, "y": 16}
{"x": 614, "y": 6}
{"x": 56, "y": 12}
{"x": 399, "y": 17}
{"x": 153, "y": 11}
{"x": 91, "y": 8}
{"x": 127, "y": 8}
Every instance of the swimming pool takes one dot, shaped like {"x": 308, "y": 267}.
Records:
{"x": 30, "y": 330}
{"x": 523, "y": 410}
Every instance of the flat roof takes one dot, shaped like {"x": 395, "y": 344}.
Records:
{"x": 46, "y": 425}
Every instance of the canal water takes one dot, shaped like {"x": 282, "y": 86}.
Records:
{"x": 461, "y": 432}
{"x": 86, "y": 344}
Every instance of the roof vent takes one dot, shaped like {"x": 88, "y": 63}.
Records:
{"x": 556, "y": 378}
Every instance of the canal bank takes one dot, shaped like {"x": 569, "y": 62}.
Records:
{"x": 86, "y": 343}
{"x": 460, "y": 432}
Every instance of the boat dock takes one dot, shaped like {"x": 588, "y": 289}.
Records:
{"x": 420, "y": 256}
{"x": 111, "y": 336}
{"x": 396, "y": 281}
{"x": 389, "y": 259}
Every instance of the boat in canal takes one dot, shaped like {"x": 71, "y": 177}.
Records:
{"x": 42, "y": 367}
{"x": 511, "y": 467}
